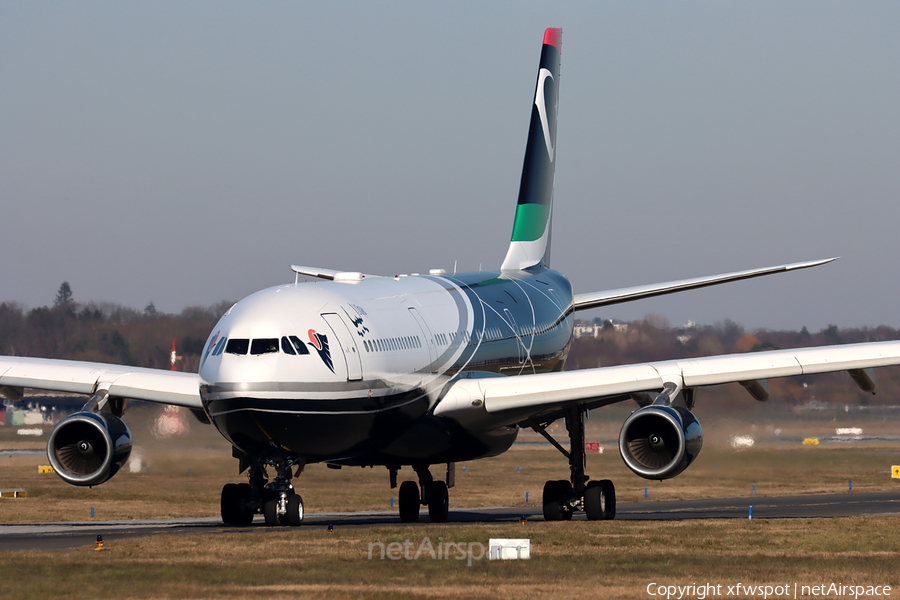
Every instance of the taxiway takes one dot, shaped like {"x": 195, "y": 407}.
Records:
{"x": 62, "y": 536}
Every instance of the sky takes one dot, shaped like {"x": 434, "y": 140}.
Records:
{"x": 189, "y": 153}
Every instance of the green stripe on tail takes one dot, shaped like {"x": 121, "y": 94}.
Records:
{"x": 530, "y": 223}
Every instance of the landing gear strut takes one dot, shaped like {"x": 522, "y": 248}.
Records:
{"x": 281, "y": 504}
{"x": 562, "y": 498}
{"x": 434, "y": 495}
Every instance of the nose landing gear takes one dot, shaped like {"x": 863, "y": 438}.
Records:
{"x": 276, "y": 500}
{"x": 281, "y": 504}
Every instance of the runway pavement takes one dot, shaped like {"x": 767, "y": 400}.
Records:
{"x": 62, "y": 536}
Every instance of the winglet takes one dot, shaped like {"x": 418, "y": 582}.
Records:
{"x": 314, "y": 272}
{"x": 530, "y": 241}
{"x": 328, "y": 274}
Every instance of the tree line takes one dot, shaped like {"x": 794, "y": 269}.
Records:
{"x": 107, "y": 332}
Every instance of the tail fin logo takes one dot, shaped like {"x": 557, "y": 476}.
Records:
{"x": 320, "y": 343}
{"x": 541, "y": 103}
{"x": 530, "y": 240}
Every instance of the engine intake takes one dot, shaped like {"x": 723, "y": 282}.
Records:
{"x": 89, "y": 448}
{"x": 659, "y": 442}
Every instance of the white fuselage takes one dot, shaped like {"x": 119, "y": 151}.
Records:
{"x": 341, "y": 371}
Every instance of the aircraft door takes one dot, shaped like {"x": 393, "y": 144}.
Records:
{"x": 426, "y": 333}
{"x": 348, "y": 346}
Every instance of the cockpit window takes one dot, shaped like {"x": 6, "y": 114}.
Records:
{"x": 287, "y": 347}
{"x": 299, "y": 346}
{"x": 264, "y": 346}
{"x": 237, "y": 346}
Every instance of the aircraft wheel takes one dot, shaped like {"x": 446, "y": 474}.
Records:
{"x": 270, "y": 512}
{"x": 295, "y": 510}
{"x": 609, "y": 499}
{"x": 235, "y": 504}
{"x": 593, "y": 502}
{"x": 229, "y": 504}
{"x": 409, "y": 502}
{"x": 555, "y": 500}
{"x": 438, "y": 501}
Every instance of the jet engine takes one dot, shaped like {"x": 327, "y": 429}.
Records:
{"x": 88, "y": 448}
{"x": 659, "y": 442}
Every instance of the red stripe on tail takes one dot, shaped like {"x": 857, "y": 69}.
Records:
{"x": 553, "y": 37}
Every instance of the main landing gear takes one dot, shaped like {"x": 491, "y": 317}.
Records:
{"x": 434, "y": 495}
{"x": 562, "y": 498}
{"x": 276, "y": 500}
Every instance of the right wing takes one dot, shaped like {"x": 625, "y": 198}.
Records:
{"x": 508, "y": 400}
{"x": 152, "y": 385}
{"x": 595, "y": 299}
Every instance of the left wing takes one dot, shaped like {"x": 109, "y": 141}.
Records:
{"x": 527, "y": 396}
{"x": 153, "y": 385}
{"x": 595, "y": 299}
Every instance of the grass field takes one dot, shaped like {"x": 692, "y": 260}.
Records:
{"x": 183, "y": 477}
{"x": 569, "y": 560}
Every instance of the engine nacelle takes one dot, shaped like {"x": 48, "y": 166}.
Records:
{"x": 659, "y": 442}
{"x": 88, "y": 448}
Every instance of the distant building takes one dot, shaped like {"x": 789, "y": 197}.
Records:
{"x": 587, "y": 329}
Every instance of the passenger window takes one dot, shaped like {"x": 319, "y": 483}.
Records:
{"x": 237, "y": 346}
{"x": 264, "y": 346}
{"x": 286, "y": 347}
{"x": 299, "y": 346}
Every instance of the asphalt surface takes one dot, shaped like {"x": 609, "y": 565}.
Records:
{"x": 64, "y": 536}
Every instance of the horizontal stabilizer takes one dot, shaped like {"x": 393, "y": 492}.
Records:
{"x": 597, "y": 299}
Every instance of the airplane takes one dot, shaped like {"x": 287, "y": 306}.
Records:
{"x": 422, "y": 370}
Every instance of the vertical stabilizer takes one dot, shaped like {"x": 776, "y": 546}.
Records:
{"x": 530, "y": 242}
